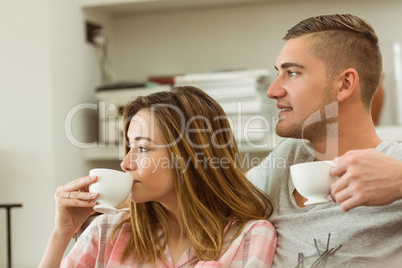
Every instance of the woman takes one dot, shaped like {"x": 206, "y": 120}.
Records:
{"x": 191, "y": 205}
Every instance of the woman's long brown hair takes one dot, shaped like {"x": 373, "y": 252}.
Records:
{"x": 215, "y": 198}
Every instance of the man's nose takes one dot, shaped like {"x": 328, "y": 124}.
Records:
{"x": 276, "y": 90}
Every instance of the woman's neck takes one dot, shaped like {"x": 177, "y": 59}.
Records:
{"x": 178, "y": 241}
{"x": 174, "y": 216}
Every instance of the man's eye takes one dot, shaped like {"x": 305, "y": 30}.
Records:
{"x": 292, "y": 74}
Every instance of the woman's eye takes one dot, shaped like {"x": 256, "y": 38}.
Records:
{"x": 138, "y": 149}
{"x": 142, "y": 149}
{"x": 291, "y": 74}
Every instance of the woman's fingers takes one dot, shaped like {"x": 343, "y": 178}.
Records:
{"x": 78, "y": 184}
{"x": 79, "y": 195}
{"x": 75, "y": 199}
{"x": 75, "y": 193}
{"x": 77, "y": 203}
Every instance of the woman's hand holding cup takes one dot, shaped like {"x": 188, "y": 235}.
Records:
{"x": 74, "y": 204}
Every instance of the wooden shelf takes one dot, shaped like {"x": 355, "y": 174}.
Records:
{"x": 140, "y": 6}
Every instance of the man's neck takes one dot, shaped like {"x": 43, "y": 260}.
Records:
{"x": 355, "y": 136}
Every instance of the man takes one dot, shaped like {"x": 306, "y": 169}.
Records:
{"x": 328, "y": 72}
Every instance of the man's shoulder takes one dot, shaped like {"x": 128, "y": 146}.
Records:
{"x": 391, "y": 148}
{"x": 286, "y": 153}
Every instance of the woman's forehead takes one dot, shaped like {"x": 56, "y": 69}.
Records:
{"x": 143, "y": 127}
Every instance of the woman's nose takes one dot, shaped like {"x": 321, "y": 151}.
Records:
{"x": 129, "y": 162}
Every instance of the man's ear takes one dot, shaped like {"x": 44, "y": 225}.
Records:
{"x": 348, "y": 83}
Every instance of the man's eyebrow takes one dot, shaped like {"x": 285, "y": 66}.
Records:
{"x": 288, "y": 65}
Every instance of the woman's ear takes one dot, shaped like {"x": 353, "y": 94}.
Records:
{"x": 348, "y": 83}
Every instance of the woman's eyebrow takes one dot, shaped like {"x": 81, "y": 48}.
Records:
{"x": 139, "y": 138}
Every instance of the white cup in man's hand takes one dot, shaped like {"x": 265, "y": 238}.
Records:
{"x": 313, "y": 181}
{"x": 113, "y": 187}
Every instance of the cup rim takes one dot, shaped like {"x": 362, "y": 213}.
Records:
{"x": 108, "y": 170}
{"x": 329, "y": 162}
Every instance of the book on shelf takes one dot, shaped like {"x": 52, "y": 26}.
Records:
{"x": 220, "y": 76}
{"x": 239, "y": 92}
{"x": 121, "y": 85}
{"x": 162, "y": 79}
{"x": 228, "y": 83}
{"x": 235, "y": 93}
{"x": 228, "y": 86}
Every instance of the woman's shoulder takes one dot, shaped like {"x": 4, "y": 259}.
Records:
{"x": 257, "y": 233}
{"x": 258, "y": 225}
{"x": 254, "y": 246}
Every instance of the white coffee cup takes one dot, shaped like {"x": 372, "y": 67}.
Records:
{"x": 313, "y": 181}
{"x": 113, "y": 187}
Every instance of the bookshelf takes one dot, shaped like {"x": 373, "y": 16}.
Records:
{"x": 109, "y": 13}
{"x": 251, "y": 127}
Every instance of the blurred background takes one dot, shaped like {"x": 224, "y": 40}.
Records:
{"x": 48, "y": 67}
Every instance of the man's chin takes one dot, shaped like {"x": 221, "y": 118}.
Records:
{"x": 287, "y": 132}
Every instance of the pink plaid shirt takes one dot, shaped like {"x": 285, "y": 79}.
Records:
{"x": 254, "y": 247}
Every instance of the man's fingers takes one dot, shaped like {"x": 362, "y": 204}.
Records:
{"x": 342, "y": 195}
{"x": 349, "y": 204}
{"x": 339, "y": 185}
{"x": 339, "y": 168}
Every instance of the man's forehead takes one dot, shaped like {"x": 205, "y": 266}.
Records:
{"x": 295, "y": 52}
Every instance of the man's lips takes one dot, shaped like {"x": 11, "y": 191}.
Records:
{"x": 284, "y": 108}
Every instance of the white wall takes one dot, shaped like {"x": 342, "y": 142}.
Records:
{"x": 47, "y": 68}
{"x": 26, "y": 162}
{"x": 74, "y": 79}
